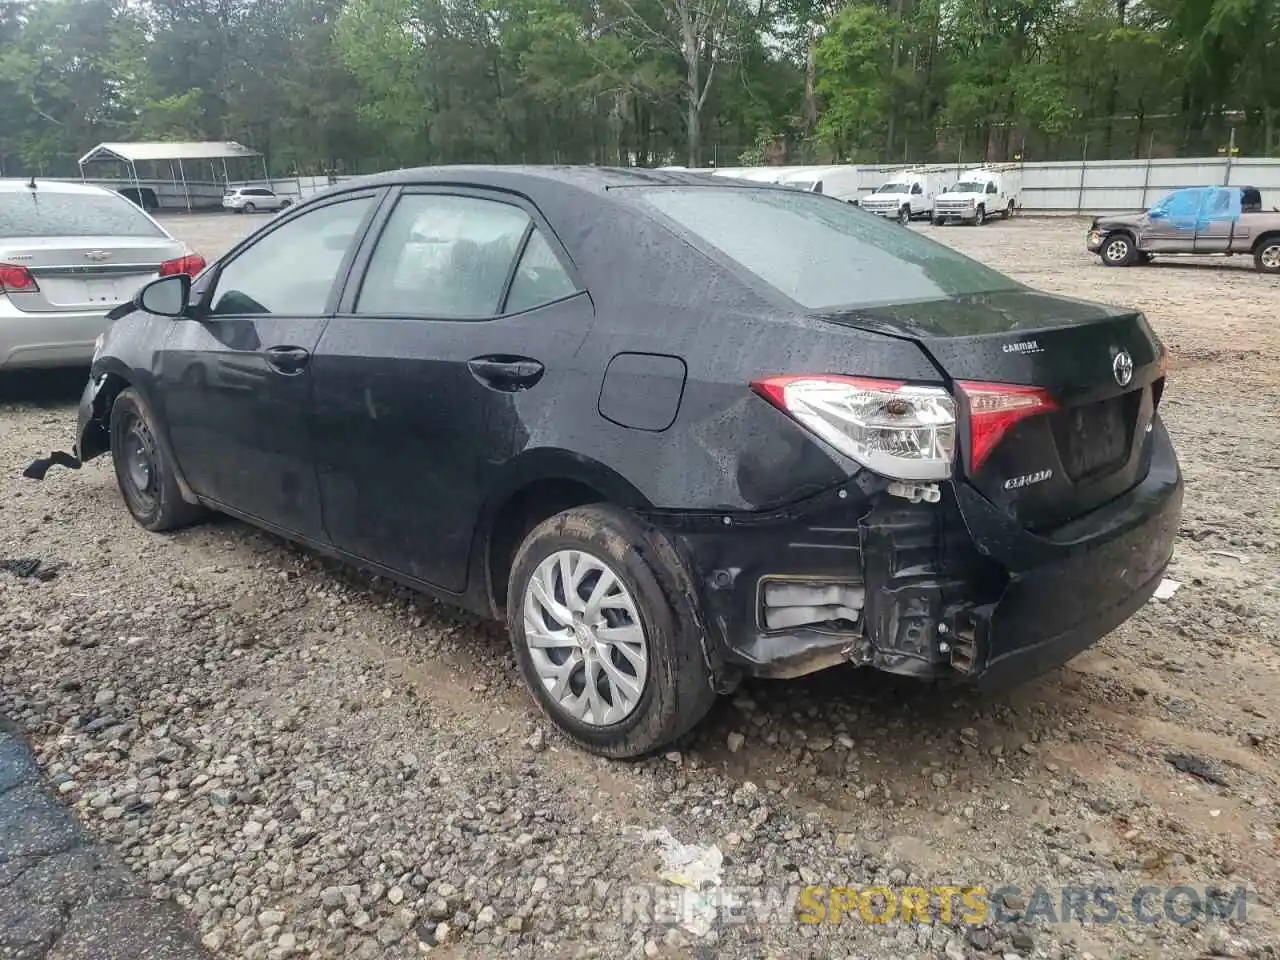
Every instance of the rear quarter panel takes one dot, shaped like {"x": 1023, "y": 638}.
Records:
{"x": 726, "y": 448}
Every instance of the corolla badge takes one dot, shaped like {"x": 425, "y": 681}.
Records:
{"x": 1122, "y": 367}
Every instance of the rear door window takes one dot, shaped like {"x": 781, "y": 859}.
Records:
{"x": 46, "y": 213}
{"x": 820, "y": 254}
{"x": 443, "y": 256}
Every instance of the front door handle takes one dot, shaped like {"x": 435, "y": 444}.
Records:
{"x": 288, "y": 360}
{"x": 506, "y": 373}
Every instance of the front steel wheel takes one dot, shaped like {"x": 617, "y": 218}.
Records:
{"x": 146, "y": 476}
{"x": 602, "y": 623}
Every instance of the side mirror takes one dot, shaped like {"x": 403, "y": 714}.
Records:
{"x": 167, "y": 297}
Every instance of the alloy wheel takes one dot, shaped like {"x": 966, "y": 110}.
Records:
{"x": 1117, "y": 250}
{"x": 1270, "y": 257}
{"x": 585, "y": 638}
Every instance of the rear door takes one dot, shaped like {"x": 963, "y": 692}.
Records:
{"x": 86, "y": 250}
{"x": 465, "y": 316}
{"x": 1218, "y": 218}
{"x": 235, "y": 382}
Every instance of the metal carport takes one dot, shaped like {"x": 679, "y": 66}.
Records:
{"x": 131, "y": 154}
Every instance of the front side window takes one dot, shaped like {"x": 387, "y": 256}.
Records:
{"x": 292, "y": 269}
{"x": 820, "y": 254}
{"x": 916, "y": 189}
{"x": 1180, "y": 203}
{"x": 991, "y": 188}
{"x": 43, "y": 212}
{"x": 443, "y": 256}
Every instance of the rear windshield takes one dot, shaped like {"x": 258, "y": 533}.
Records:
{"x": 821, "y": 253}
{"x": 45, "y": 213}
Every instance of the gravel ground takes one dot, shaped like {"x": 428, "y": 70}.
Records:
{"x": 314, "y": 763}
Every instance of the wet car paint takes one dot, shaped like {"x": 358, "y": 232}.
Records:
{"x": 405, "y": 462}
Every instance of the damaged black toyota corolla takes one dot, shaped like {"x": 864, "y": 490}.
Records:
{"x": 674, "y": 431}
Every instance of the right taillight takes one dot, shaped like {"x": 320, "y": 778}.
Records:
{"x": 900, "y": 431}
{"x": 191, "y": 264}
{"x": 993, "y": 410}
{"x": 16, "y": 279}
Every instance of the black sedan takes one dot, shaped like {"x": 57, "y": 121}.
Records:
{"x": 674, "y": 431}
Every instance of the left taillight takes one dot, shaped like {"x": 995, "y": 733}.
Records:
{"x": 191, "y": 265}
{"x": 898, "y": 430}
{"x": 994, "y": 408}
{"x": 15, "y": 278}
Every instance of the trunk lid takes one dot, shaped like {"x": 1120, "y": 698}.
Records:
{"x": 85, "y": 273}
{"x": 1093, "y": 446}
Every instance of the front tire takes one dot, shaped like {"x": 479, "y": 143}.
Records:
{"x": 1118, "y": 250}
{"x": 980, "y": 217}
{"x": 603, "y": 630}
{"x": 904, "y": 216}
{"x": 146, "y": 475}
{"x": 250, "y": 208}
{"x": 937, "y": 221}
{"x": 1267, "y": 257}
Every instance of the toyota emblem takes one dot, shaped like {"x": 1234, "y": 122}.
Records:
{"x": 1122, "y": 367}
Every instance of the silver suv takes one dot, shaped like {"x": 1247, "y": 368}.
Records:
{"x": 252, "y": 199}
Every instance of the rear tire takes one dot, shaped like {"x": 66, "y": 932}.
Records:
{"x": 565, "y": 632}
{"x": 1007, "y": 212}
{"x": 1267, "y": 256}
{"x": 147, "y": 477}
{"x": 1118, "y": 250}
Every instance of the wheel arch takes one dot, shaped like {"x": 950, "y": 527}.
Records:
{"x": 537, "y": 486}
{"x": 1264, "y": 239}
{"x": 113, "y": 377}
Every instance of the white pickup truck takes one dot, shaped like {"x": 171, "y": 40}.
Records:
{"x": 905, "y": 197}
{"x": 979, "y": 195}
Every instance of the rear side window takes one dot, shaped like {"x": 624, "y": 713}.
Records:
{"x": 446, "y": 257}
{"x": 45, "y": 213}
{"x": 820, "y": 253}
{"x": 540, "y": 278}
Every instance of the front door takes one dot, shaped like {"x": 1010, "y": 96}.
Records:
{"x": 1171, "y": 223}
{"x": 466, "y": 303}
{"x": 237, "y": 379}
{"x": 1218, "y": 218}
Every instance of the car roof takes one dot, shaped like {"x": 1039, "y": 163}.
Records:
{"x": 19, "y": 185}
{"x": 516, "y": 177}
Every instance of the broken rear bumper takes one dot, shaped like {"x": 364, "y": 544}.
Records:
{"x": 955, "y": 589}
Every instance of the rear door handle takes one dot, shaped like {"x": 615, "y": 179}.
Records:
{"x": 288, "y": 360}
{"x": 506, "y": 373}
